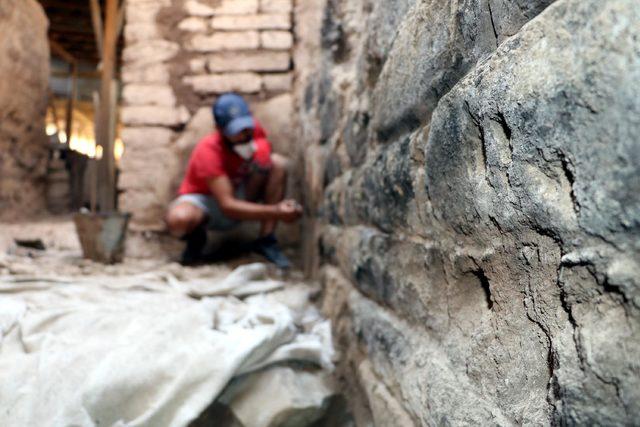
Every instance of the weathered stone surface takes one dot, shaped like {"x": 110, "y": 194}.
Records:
{"x": 276, "y": 6}
{"x": 146, "y": 138}
{"x": 282, "y": 82}
{"x": 198, "y": 65}
{"x": 231, "y": 40}
{"x": 380, "y": 192}
{"x": 279, "y": 40}
{"x": 148, "y": 73}
{"x": 249, "y": 61}
{"x": 146, "y": 194}
{"x": 275, "y": 114}
{"x": 196, "y": 8}
{"x": 200, "y": 125}
{"x": 144, "y": 12}
{"x": 387, "y": 411}
{"x": 137, "y": 94}
{"x": 266, "y": 21}
{"x": 154, "y": 116}
{"x": 221, "y": 83}
{"x": 296, "y": 398}
{"x": 484, "y": 206}
{"x": 193, "y": 24}
{"x": 24, "y": 76}
{"x": 138, "y": 32}
{"x": 147, "y": 208}
{"x": 383, "y": 24}
{"x": 458, "y": 35}
{"x": 528, "y": 176}
{"x": 236, "y": 7}
{"x": 150, "y": 52}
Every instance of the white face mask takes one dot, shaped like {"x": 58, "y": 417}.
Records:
{"x": 246, "y": 150}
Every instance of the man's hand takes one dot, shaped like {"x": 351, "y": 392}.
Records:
{"x": 289, "y": 211}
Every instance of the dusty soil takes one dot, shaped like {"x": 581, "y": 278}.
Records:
{"x": 62, "y": 255}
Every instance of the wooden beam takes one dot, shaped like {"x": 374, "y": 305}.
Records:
{"x": 121, "y": 14}
{"x": 96, "y": 21}
{"x": 64, "y": 4}
{"x": 61, "y": 51}
{"x": 80, "y": 74}
{"x": 68, "y": 27}
{"x": 107, "y": 171}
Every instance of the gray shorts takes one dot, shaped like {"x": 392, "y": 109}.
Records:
{"x": 216, "y": 220}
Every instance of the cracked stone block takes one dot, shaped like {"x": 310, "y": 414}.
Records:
{"x": 198, "y": 65}
{"x": 193, "y": 24}
{"x": 140, "y": 32}
{"x": 142, "y": 94}
{"x": 150, "y": 52}
{"x": 145, "y": 138}
{"x": 277, "y": 40}
{"x": 196, "y": 8}
{"x": 276, "y": 6}
{"x": 296, "y": 398}
{"x": 154, "y": 116}
{"x": 147, "y": 73}
{"x": 249, "y": 61}
{"x": 266, "y": 21}
{"x": 278, "y": 82}
{"x": 221, "y": 83}
{"x": 143, "y": 12}
{"x": 402, "y": 105}
{"x": 221, "y": 41}
{"x": 236, "y": 7}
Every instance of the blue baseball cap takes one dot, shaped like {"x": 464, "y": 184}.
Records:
{"x": 232, "y": 114}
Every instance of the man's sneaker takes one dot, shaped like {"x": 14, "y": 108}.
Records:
{"x": 268, "y": 247}
{"x": 196, "y": 241}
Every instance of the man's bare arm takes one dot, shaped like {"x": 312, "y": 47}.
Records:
{"x": 241, "y": 210}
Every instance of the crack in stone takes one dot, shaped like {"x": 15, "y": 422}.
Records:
{"x": 493, "y": 24}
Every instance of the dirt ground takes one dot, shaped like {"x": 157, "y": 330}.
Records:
{"x": 62, "y": 255}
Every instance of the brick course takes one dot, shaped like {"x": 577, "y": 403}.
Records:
{"x": 271, "y": 21}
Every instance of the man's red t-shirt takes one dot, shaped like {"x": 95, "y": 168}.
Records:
{"x": 212, "y": 158}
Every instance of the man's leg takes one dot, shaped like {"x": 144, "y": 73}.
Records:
{"x": 183, "y": 217}
{"x": 187, "y": 222}
{"x": 274, "y": 189}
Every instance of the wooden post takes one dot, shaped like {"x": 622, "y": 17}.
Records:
{"x": 72, "y": 99}
{"x": 61, "y": 51}
{"x": 96, "y": 21}
{"x": 93, "y": 163}
{"x": 121, "y": 13}
{"x": 52, "y": 105}
{"x": 107, "y": 171}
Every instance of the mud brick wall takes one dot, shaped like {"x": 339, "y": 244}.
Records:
{"x": 474, "y": 190}
{"x": 24, "y": 79}
{"x": 181, "y": 54}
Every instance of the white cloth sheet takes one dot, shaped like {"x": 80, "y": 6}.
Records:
{"x": 142, "y": 350}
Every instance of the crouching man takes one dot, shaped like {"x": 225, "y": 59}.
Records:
{"x": 233, "y": 176}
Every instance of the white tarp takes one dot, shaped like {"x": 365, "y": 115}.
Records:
{"x": 142, "y": 350}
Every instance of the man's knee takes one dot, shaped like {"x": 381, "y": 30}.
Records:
{"x": 183, "y": 218}
{"x": 281, "y": 164}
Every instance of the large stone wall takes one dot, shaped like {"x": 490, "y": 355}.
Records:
{"x": 474, "y": 181}
{"x": 180, "y": 55}
{"x": 24, "y": 78}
